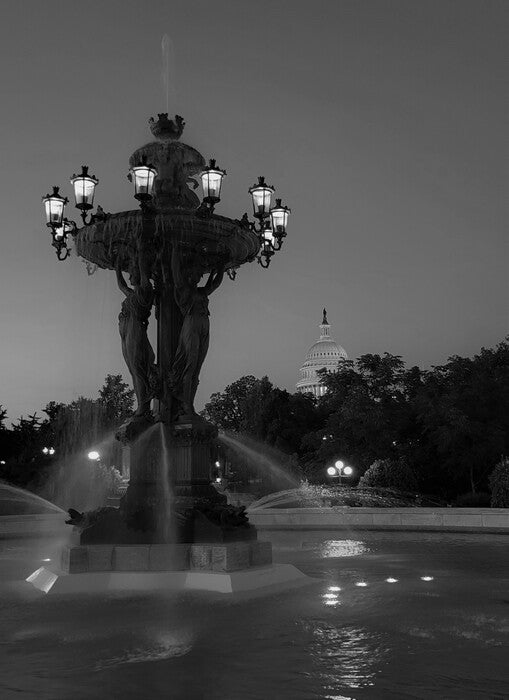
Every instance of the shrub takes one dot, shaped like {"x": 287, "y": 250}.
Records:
{"x": 472, "y": 500}
{"x": 499, "y": 484}
{"x": 391, "y": 474}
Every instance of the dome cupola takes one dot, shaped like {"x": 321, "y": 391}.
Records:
{"x": 324, "y": 354}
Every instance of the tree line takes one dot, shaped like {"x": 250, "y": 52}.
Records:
{"x": 37, "y": 450}
{"x": 442, "y": 431}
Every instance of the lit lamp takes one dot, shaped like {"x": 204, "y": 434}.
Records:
{"x": 338, "y": 470}
{"x": 262, "y": 195}
{"x": 54, "y": 204}
{"x": 267, "y": 241}
{"x": 279, "y": 218}
{"x": 84, "y": 189}
{"x": 211, "y": 180}
{"x": 144, "y": 176}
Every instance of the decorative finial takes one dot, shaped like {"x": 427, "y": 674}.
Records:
{"x": 324, "y": 320}
{"x": 166, "y": 129}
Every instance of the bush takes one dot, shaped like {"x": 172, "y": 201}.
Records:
{"x": 390, "y": 474}
{"x": 499, "y": 484}
{"x": 473, "y": 500}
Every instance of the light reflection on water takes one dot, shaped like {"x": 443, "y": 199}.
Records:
{"x": 342, "y": 548}
{"x": 347, "y": 655}
{"x": 332, "y": 640}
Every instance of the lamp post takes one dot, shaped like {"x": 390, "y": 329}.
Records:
{"x": 166, "y": 247}
{"x": 339, "y": 470}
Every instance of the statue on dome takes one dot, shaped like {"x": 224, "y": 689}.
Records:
{"x": 133, "y": 323}
{"x": 193, "y": 302}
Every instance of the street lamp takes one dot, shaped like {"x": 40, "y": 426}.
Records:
{"x": 48, "y": 450}
{"x": 94, "y": 456}
{"x": 339, "y": 470}
{"x": 279, "y": 219}
{"x": 143, "y": 176}
{"x": 211, "y": 180}
{"x": 84, "y": 190}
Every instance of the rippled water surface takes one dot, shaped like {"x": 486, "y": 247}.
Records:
{"x": 392, "y": 615}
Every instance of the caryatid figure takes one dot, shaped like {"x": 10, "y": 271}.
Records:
{"x": 193, "y": 302}
{"x": 133, "y": 324}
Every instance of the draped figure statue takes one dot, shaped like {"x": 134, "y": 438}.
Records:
{"x": 133, "y": 322}
{"x": 193, "y": 344}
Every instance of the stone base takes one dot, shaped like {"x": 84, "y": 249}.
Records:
{"x": 256, "y": 580}
{"x": 209, "y": 556}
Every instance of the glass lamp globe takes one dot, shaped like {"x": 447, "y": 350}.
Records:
{"x": 54, "y": 205}
{"x": 144, "y": 176}
{"x": 331, "y": 471}
{"x": 339, "y": 465}
{"x": 211, "y": 180}
{"x": 268, "y": 234}
{"x": 279, "y": 216}
{"x": 348, "y": 471}
{"x": 84, "y": 189}
{"x": 94, "y": 455}
{"x": 262, "y": 195}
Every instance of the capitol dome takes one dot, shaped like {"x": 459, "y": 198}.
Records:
{"x": 324, "y": 354}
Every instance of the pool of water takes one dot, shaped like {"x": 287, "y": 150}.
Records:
{"x": 430, "y": 620}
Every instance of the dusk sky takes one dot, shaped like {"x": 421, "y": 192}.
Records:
{"x": 382, "y": 124}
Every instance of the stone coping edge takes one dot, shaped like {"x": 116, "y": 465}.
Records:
{"x": 257, "y": 580}
{"x": 487, "y": 520}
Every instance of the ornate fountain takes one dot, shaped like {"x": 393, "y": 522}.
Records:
{"x": 165, "y": 248}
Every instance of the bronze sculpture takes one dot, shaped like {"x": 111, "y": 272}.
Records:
{"x": 166, "y": 247}
{"x": 133, "y": 322}
{"x": 193, "y": 344}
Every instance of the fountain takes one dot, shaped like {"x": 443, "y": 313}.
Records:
{"x": 171, "y": 519}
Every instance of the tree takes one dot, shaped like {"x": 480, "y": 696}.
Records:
{"x": 363, "y": 413}
{"x": 227, "y": 409}
{"x": 390, "y": 473}
{"x": 117, "y": 399}
{"x": 3, "y": 417}
{"x": 462, "y": 413}
{"x": 499, "y": 484}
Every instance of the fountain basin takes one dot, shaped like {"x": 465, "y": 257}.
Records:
{"x": 213, "y": 237}
{"x": 222, "y": 568}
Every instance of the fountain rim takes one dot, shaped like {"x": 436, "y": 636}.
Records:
{"x": 239, "y": 242}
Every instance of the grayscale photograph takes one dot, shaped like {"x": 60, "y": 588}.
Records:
{"x": 254, "y": 350}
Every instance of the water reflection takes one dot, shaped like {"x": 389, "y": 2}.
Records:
{"x": 342, "y": 548}
{"x": 347, "y": 657}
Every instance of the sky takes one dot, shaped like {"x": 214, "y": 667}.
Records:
{"x": 382, "y": 124}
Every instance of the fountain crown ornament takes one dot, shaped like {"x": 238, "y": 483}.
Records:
{"x": 166, "y": 129}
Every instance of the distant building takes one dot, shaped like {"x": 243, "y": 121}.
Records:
{"x": 324, "y": 354}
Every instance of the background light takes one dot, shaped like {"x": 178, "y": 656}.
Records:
{"x": 93, "y": 454}
{"x": 339, "y": 464}
{"x": 331, "y": 471}
{"x": 348, "y": 471}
